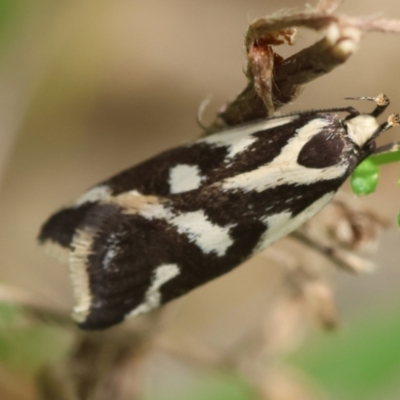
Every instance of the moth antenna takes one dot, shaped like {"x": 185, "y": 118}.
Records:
{"x": 351, "y": 110}
{"x": 393, "y": 120}
{"x": 381, "y": 101}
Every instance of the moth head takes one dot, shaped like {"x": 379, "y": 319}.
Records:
{"x": 363, "y": 129}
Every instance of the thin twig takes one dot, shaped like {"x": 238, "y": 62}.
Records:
{"x": 326, "y": 251}
{"x": 34, "y": 304}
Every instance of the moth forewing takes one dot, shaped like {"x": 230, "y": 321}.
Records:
{"x": 158, "y": 230}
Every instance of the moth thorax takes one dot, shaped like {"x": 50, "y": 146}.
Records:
{"x": 360, "y": 129}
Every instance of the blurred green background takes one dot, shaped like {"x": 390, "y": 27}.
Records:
{"x": 88, "y": 88}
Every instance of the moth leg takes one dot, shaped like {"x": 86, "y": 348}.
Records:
{"x": 381, "y": 101}
{"x": 350, "y": 110}
{"x": 387, "y": 148}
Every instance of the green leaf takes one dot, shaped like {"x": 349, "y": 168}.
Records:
{"x": 218, "y": 387}
{"x": 386, "y": 158}
{"x": 10, "y": 24}
{"x": 362, "y": 361}
{"x": 26, "y": 345}
{"x": 9, "y": 315}
{"x": 365, "y": 178}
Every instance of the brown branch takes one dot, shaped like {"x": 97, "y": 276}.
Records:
{"x": 346, "y": 261}
{"x": 102, "y": 366}
{"x": 273, "y": 81}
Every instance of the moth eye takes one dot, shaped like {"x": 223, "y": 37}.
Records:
{"x": 321, "y": 151}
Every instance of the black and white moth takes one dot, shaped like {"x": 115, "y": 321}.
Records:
{"x": 170, "y": 224}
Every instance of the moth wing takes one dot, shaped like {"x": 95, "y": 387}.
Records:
{"x": 173, "y": 171}
{"x": 120, "y": 259}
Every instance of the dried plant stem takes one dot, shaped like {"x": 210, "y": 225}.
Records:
{"x": 95, "y": 369}
{"x": 34, "y": 304}
{"x": 329, "y": 252}
{"x": 273, "y": 81}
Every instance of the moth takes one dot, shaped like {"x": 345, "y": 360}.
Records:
{"x": 191, "y": 214}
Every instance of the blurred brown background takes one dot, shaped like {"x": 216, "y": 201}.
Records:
{"x": 90, "y": 87}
